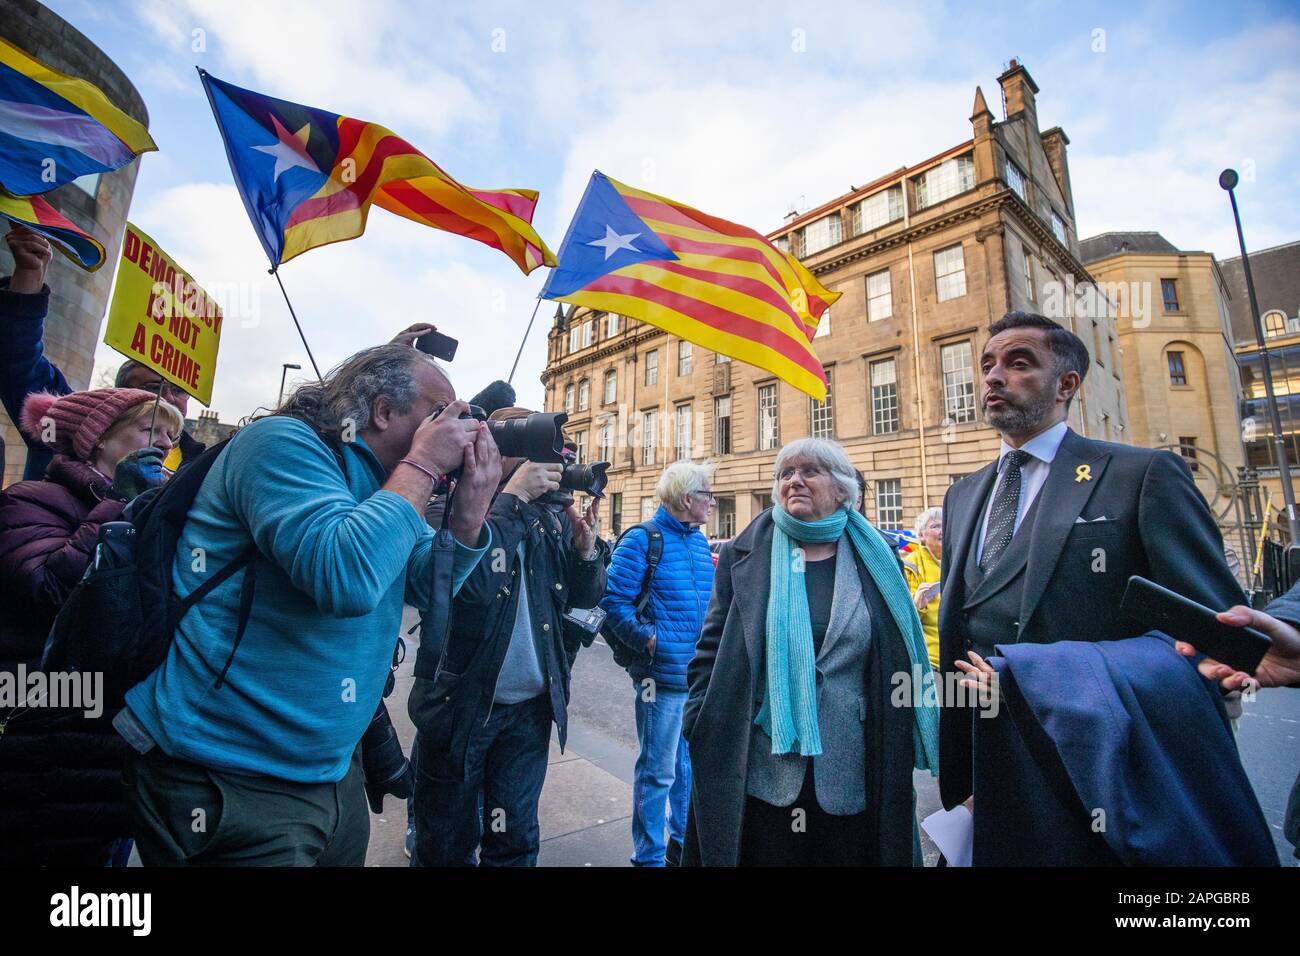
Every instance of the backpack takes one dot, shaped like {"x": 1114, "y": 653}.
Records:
{"x": 120, "y": 619}
{"x": 625, "y": 656}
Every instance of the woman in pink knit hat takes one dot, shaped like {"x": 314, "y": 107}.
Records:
{"x": 60, "y": 770}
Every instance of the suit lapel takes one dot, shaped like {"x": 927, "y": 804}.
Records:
{"x": 1060, "y": 501}
{"x": 966, "y": 521}
{"x": 848, "y": 594}
{"x": 751, "y": 583}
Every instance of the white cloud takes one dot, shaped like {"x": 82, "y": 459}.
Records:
{"x": 348, "y": 296}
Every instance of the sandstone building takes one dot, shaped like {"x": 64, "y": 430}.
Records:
{"x": 926, "y": 257}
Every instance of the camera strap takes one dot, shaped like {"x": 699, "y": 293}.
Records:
{"x": 433, "y": 637}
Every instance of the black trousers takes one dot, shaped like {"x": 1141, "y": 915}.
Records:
{"x": 185, "y": 814}
{"x": 803, "y": 834}
{"x": 493, "y": 809}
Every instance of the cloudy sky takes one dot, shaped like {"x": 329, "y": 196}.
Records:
{"x": 746, "y": 110}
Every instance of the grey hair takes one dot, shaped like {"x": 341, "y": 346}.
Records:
{"x": 681, "y": 479}
{"x": 829, "y": 455}
{"x": 349, "y": 390}
{"x": 925, "y": 517}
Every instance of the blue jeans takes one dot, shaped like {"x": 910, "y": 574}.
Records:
{"x": 661, "y": 787}
{"x": 494, "y": 809}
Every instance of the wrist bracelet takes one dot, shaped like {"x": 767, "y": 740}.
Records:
{"x": 415, "y": 464}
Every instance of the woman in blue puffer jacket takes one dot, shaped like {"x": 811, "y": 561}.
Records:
{"x": 661, "y": 643}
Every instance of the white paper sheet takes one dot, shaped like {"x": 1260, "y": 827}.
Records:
{"x": 953, "y": 832}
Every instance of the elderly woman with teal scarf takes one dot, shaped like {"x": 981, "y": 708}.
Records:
{"x": 811, "y": 696}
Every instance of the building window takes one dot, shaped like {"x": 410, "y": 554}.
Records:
{"x": 606, "y": 451}
{"x": 878, "y": 210}
{"x": 822, "y": 233}
{"x": 950, "y": 273}
{"x": 949, "y": 178}
{"x": 647, "y": 508}
{"x": 684, "y": 353}
{"x": 1177, "y": 369}
{"x": 722, "y": 425}
{"x": 724, "y": 518}
{"x": 884, "y": 397}
{"x": 958, "y": 382}
{"x": 822, "y": 414}
{"x": 1015, "y": 179}
{"x": 1027, "y": 259}
{"x": 580, "y": 439}
{"x": 720, "y": 359}
{"x": 611, "y": 325}
{"x": 823, "y": 327}
{"x": 1187, "y": 448}
{"x": 616, "y": 513}
{"x": 588, "y": 330}
{"x": 1058, "y": 229}
{"x": 611, "y": 387}
{"x": 889, "y": 503}
{"x": 574, "y": 333}
{"x": 768, "y": 420}
{"x": 584, "y": 395}
{"x": 1274, "y": 323}
{"x": 682, "y": 433}
{"x": 880, "y": 296}
{"x": 649, "y": 436}
{"x": 1169, "y": 290}
{"x": 568, "y": 398}
{"x": 782, "y": 243}
{"x": 652, "y": 367}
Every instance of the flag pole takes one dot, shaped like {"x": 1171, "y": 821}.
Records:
{"x": 154, "y": 417}
{"x": 525, "y": 339}
{"x": 315, "y": 367}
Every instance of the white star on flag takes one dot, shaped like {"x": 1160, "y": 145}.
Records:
{"x": 614, "y": 242}
{"x": 290, "y": 149}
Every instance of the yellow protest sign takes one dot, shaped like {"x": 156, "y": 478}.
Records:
{"x": 162, "y": 318}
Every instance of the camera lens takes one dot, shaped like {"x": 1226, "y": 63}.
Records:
{"x": 589, "y": 478}
{"x": 538, "y": 437}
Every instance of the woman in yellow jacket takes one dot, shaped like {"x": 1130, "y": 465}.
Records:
{"x": 921, "y": 567}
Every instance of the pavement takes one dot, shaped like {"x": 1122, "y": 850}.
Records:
{"x": 586, "y": 805}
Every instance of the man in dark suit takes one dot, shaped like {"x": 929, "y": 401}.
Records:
{"x": 1039, "y": 545}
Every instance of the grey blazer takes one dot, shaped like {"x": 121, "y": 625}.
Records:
{"x": 839, "y": 772}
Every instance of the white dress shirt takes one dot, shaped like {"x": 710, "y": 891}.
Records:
{"x": 1042, "y": 450}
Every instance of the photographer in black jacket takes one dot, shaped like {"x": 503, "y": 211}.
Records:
{"x": 484, "y": 719}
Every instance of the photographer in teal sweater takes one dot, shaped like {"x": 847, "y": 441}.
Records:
{"x": 260, "y": 767}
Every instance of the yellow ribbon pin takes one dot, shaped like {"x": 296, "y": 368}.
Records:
{"x": 1082, "y": 473}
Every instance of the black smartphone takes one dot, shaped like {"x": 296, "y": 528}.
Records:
{"x": 1157, "y": 608}
{"x": 438, "y": 345}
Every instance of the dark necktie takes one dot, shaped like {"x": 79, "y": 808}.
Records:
{"x": 1002, "y": 517}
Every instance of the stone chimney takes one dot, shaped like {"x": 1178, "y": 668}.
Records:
{"x": 1054, "y": 143}
{"x": 1018, "y": 89}
{"x": 981, "y": 121}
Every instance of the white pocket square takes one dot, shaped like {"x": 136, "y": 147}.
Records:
{"x": 1090, "y": 520}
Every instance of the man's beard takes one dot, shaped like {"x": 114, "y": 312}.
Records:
{"x": 1015, "y": 419}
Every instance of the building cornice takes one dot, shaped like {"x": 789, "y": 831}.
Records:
{"x": 1023, "y": 213}
{"x": 625, "y": 343}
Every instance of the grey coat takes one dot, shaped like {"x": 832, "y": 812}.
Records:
{"x": 726, "y": 691}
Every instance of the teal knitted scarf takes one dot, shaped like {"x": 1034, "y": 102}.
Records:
{"x": 789, "y": 711}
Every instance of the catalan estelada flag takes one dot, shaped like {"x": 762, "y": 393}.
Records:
{"x": 38, "y": 215}
{"x": 308, "y": 177}
{"x": 701, "y": 278}
{"x": 54, "y": 128}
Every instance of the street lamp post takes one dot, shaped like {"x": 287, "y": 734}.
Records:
{"x": 1228, "y": 180}
{"x": 284, "y": 370}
